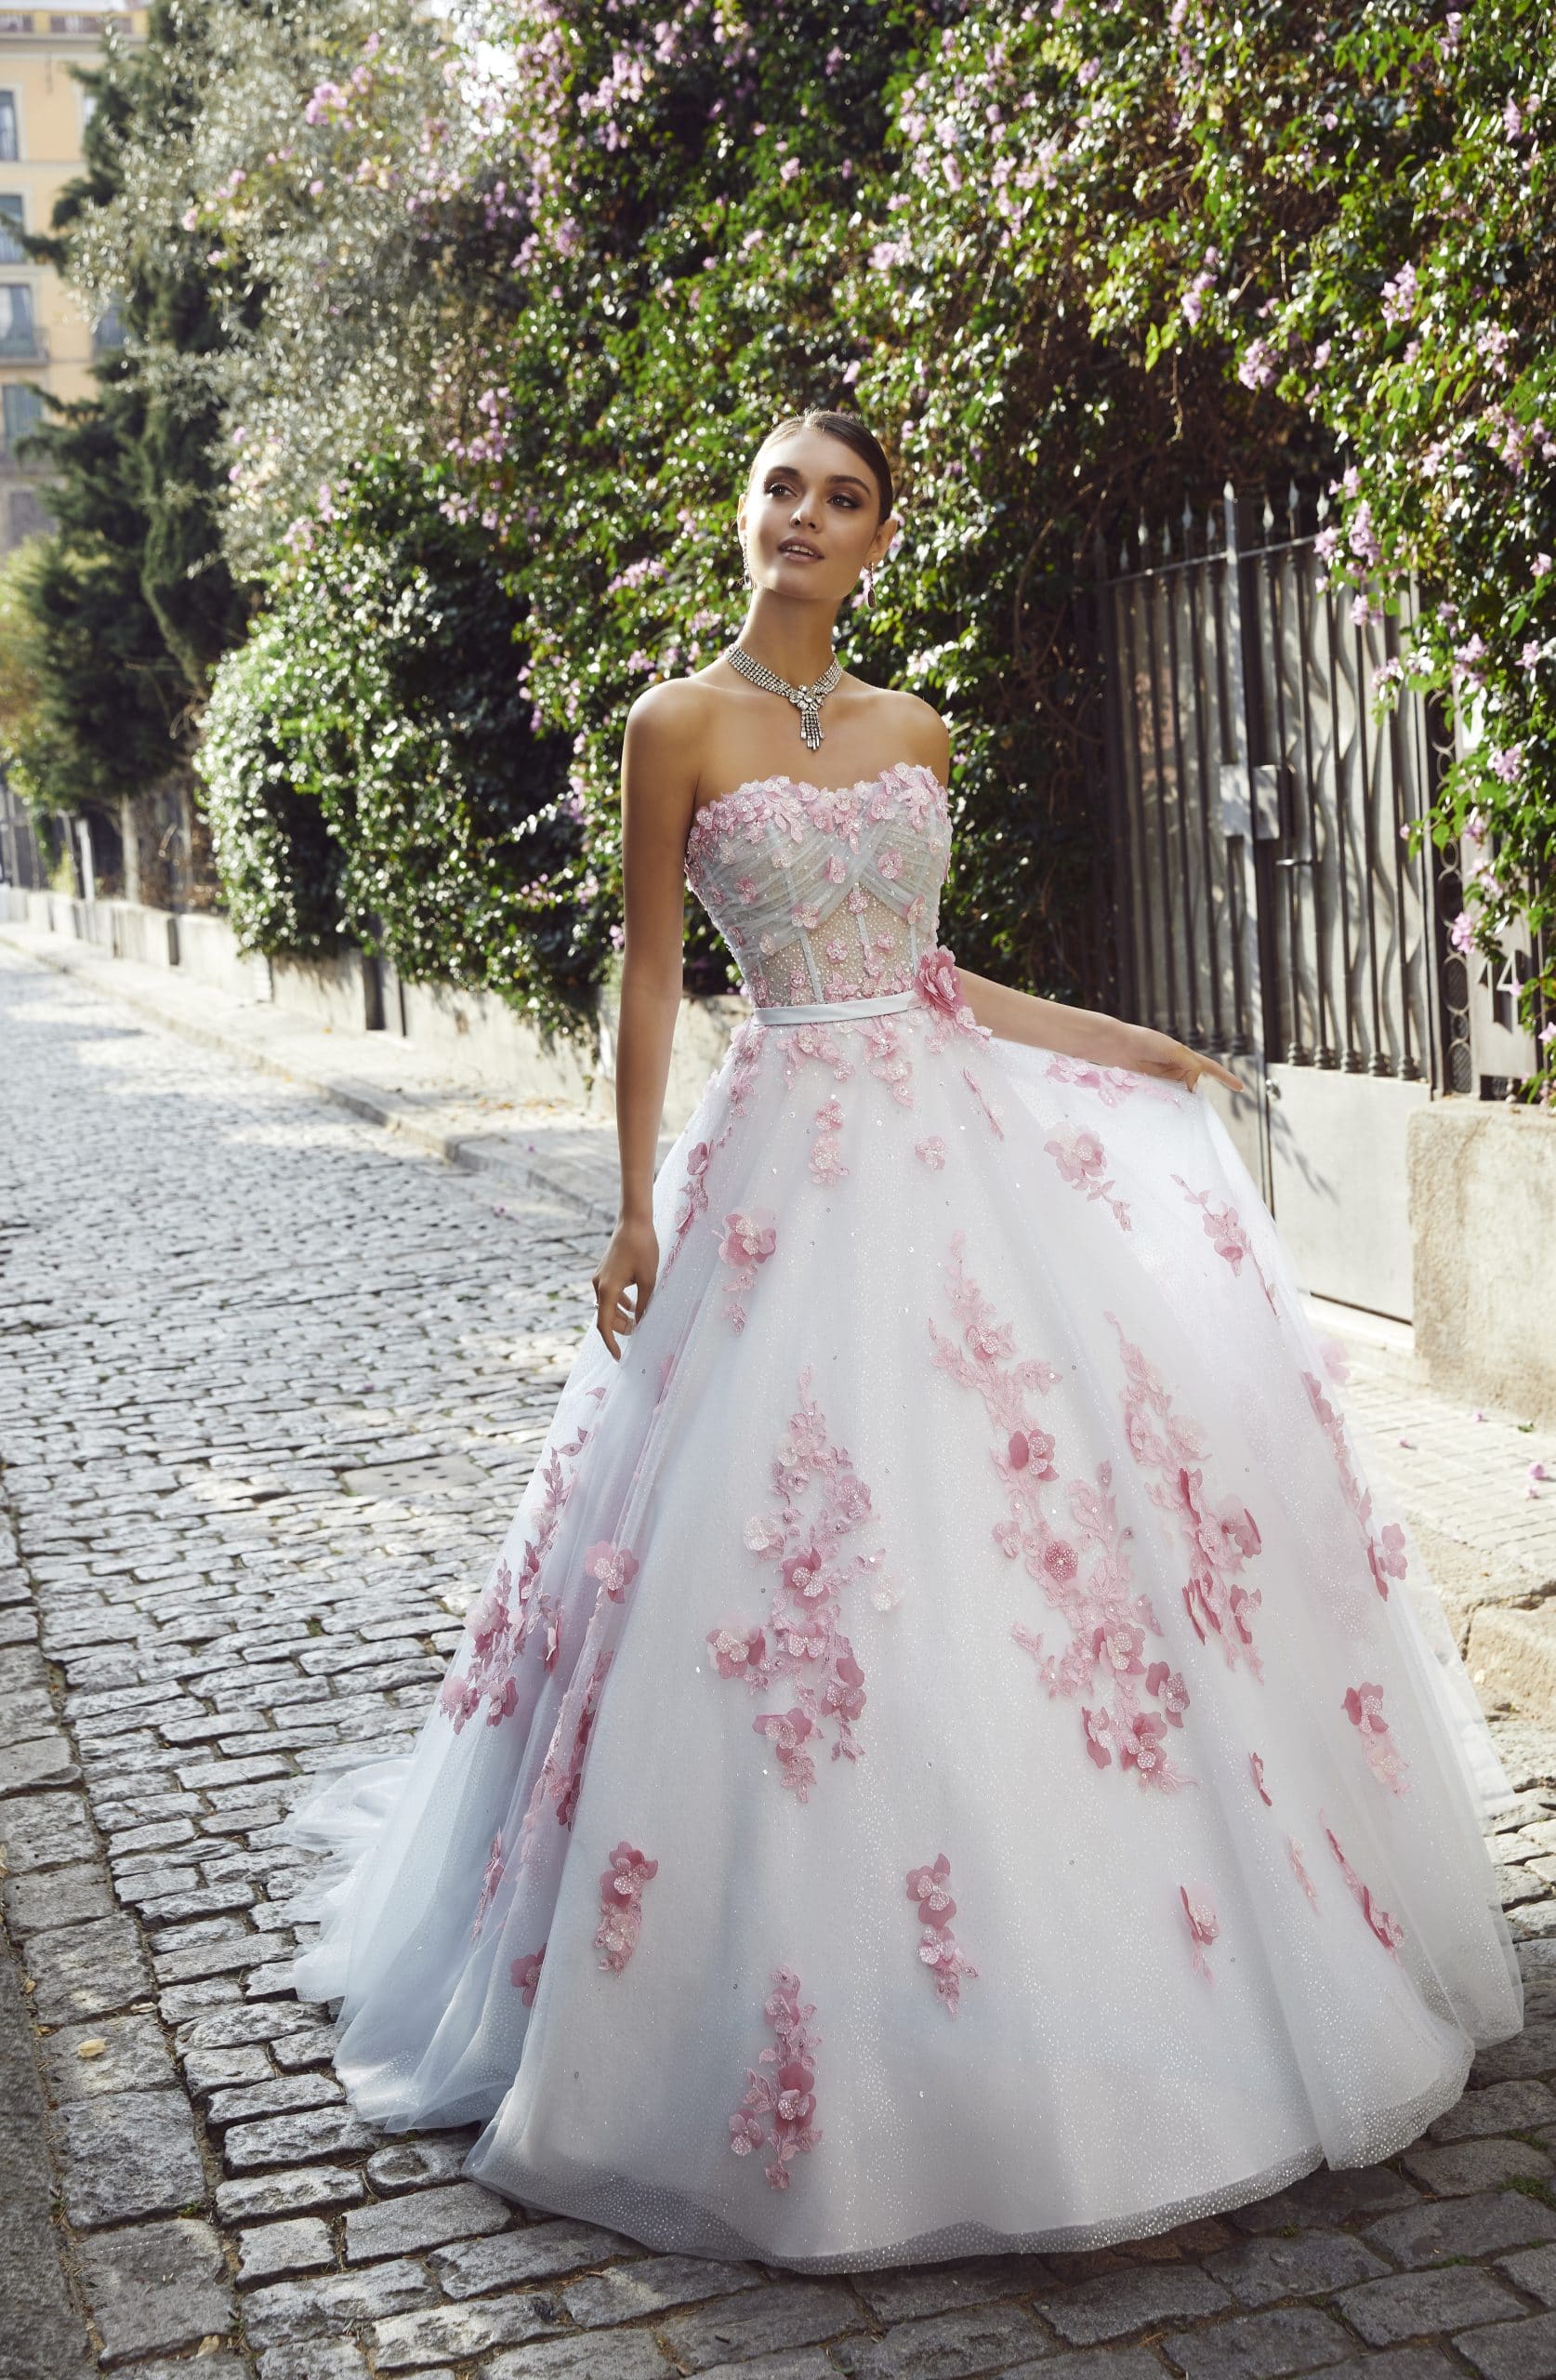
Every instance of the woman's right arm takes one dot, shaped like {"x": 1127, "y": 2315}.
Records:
{"x": 658, "y": 792}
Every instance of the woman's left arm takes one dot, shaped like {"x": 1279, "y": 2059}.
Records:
{"x": 1087, "y": 1034}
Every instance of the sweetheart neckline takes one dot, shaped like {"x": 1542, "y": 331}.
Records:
{"x": 805, "y": 784}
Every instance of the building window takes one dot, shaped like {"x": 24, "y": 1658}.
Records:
{"x": 21, "y": 410}
{"x": 17, "y": 334}
{"x": 11, "y": 224}
{"x": 10, "y": 146}
{"x": 108, "y": 333}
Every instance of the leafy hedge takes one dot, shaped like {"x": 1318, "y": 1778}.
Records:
{"x": 1072, "y": 261}
{"x": 370, "y": 769}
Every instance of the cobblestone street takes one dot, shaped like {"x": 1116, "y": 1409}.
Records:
{"x": 272, "y": 1380}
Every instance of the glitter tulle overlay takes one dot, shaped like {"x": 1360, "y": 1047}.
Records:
{"x": 953, "y": 1753}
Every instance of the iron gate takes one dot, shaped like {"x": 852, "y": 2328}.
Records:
{"x": 1268, "y": 907}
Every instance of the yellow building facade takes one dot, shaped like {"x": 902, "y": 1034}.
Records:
{"x": 46, "y": 340}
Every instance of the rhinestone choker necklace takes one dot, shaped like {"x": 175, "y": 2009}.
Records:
{"x": 807, "y": 700}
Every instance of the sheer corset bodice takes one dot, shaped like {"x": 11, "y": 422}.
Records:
{"x": 824, "y": 892}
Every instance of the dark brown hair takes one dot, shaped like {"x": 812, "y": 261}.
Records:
{"x": 851, "y": 431}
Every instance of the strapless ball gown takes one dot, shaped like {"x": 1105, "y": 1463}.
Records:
{"x": 952, "y": 1754}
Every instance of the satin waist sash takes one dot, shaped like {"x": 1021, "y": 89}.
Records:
{"x": 879, "y": 1004}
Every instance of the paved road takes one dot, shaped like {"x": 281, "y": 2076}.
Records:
{"x": 270, "y": 1381}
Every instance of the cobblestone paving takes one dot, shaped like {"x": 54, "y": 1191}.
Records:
{"x": 270, "y": 1384}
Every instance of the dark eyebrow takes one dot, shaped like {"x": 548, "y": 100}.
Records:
{"x": 839, "y": 479}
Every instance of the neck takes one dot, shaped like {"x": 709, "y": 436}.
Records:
{"x": 793, "y": 640}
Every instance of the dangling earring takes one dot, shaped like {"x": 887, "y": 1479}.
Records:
{"x": 870, "y": 583}
{"x": 746, "y": 580}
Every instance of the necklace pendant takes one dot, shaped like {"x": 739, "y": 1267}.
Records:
{"x": 811, "y": 726}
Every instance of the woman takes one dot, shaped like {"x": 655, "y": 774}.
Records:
{"x": 949, "y": 1755}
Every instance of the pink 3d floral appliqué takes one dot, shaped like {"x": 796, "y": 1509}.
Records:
{"x": 491, "y": 1884}
{"x": 1226, "y": 1236}
{"x": 1113, "y": 1085}
{"x": 1081, "y": 1567}
{"x": 621, "y": 1902}
{"x": 1386, "y": 1554}
{"x": 694, "y": 1194}
{"x": 1362, "y": 1706}
{"x": 821, "y": 1501}
{"x": 615, "y": 1567}
{"x": 1388, "y": 1931}
{"x": 991, "y": 1112}
{"x": 524, "y": 1975}
{"x": 937, "y": 979}
{"x": 931, "y": 1151}
{"x": 1256, "y": 1767}
{"x": 750, "y": 1236}
{"x": 562, "y": 1776}
{"x": 1221, "y": 1539}
{"x": 888, "y": 1059}
{"x": 778, "y": 2110}
{"x": 1203, "y": 1927}
{"x": 930, "y": 1887}
{"x": 1083, "y": 1163}
{"x": 826, "y": 1164}
{"x": 500, "y": 1625}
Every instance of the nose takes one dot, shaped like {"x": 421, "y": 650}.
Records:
{"x": 802, "y": 514}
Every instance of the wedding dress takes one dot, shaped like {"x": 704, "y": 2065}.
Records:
{"x": 952, "y": 1754}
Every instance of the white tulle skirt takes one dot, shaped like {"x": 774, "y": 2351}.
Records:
{"x": 952, "y": 1754}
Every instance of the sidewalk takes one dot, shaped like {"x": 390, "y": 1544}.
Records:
{"x": 269, "y": 1381}
{"x": 1486, "y": 1529}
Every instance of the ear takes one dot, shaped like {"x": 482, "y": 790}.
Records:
{"x": 881, "y": 541}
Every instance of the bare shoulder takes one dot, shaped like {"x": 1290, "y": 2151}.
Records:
{"x": 917, "y": 728}
{"x": 664, "y": 738}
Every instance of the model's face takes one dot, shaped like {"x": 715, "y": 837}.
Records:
{"x": 809, "y": 516}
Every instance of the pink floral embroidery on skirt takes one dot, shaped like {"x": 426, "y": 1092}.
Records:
{"x": 1203, "y": 1927}
{"x": 1257, "y": 1765}
{"x": 1083, "y": 1163}
{"x": 888, "y": 1059}
{"x": 491, "y": 1884}
{"x": 500, "y": 1624}
{"x": 1386, "y": 1554}
{"x": 524, "y": 1975}
{"x": 621, "y": 1900}
{"x": 1227, "y": 1234}
{"x": 930, "y": 1887}
{"x": 1107, "y": 1627}
{"x": 1363, "y": 1707}
{"x": 822, "y": 1499}
{"x": 779, "y": 2109}
{"x": 749, "y": 1239}
{"x": 615, "y": 1567}
{"x": 826, "y": 1165}
{"x": 932, "y": 1152}
{"x": 1221, "y": 1539}
{"x": 1389, "y": 1932}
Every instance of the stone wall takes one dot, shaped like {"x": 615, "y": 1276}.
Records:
{"x": 1483, "y": 1227}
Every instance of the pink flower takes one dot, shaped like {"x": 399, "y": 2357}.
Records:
{"x": 1203, "y": 1927}
{"x": 1097, "y": 1727}
{"x": 738, "y": 1656}
{"x": 525, "y": 1974}
{"x": 614, "y": 1567}
{"x": 1060, "y": 1561}
{"x": 929, "y": 1887}
{"x": 939, "y": 982}
{"x": 750, "y": 1235}
{"x": 1026, "y": 1447}
{"x": 932, "y": 1152}
{"x": 1461, "y": 933}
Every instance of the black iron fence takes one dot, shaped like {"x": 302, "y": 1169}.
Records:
{"x": 1267, "y": 902}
